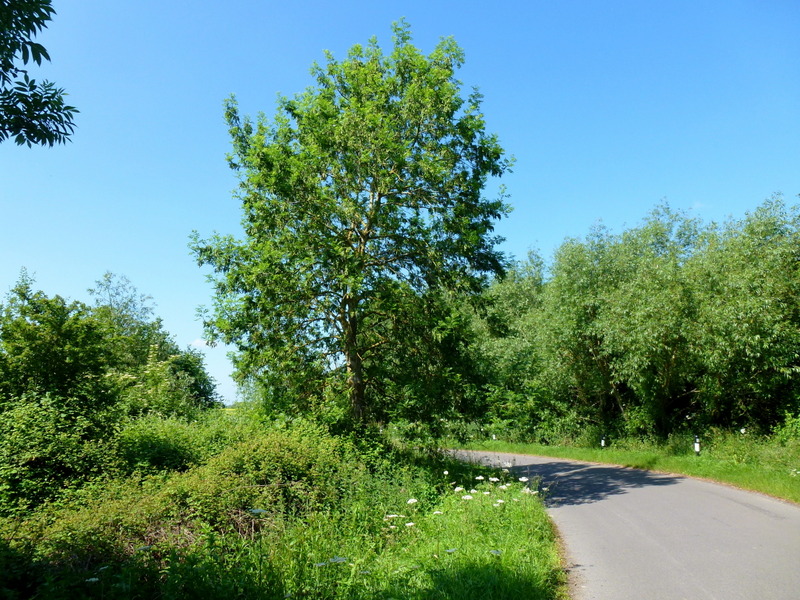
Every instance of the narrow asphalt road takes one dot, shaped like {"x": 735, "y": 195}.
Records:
{"x": 641, "y": 535}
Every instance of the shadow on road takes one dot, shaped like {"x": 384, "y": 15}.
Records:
{"x": 565, "y": 482}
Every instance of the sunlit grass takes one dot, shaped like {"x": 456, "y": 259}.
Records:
{"x": 498, "y": 544}
{"x": 754, "y": 463}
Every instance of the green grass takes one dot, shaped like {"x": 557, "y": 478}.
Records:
{"x": 290, "y": 513}
{"x": 755, "y": 463}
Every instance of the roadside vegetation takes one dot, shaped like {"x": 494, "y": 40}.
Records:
{"x": 288, "y": 511}
{"x": 673, "y": 327}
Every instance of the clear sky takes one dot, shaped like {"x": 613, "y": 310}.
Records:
{"x": 610, "y": 107}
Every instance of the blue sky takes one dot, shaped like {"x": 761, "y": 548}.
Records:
{"x": 610, "y": 107}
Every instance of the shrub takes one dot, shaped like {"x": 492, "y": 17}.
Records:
{"x": 47, "y": 446}
{"x": 789, "y": 430}
{"x": 254, "y": 484}
{"x": 153, "y": 443}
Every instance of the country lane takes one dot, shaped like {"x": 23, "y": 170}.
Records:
{"x": 641, "y": 535}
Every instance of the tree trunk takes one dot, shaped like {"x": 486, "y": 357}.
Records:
{"x": 355, "y": 369}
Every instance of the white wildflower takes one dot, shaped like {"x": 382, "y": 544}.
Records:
{"x": 412, "y": 501}
{"x": 466, "y": 497}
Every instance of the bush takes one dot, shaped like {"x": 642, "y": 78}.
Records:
{"x": 789, "y": 430}
{"x": 47, "y": 446}
{"x": 253, "y": 484}
{"x": 153, "y": 443}
{"x": 276, "y": 515}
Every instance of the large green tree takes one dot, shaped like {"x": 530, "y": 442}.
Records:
{"x": 362, "y": 191}
{"x": 31, "y": 112}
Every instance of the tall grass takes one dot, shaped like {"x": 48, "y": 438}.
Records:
{"x": 290, "y": 513}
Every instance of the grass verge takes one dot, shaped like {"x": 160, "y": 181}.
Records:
{"x": 754, "y": 463}
{"x": 294, "y": 513}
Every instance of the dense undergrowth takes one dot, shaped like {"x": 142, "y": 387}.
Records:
{"x": 287, "y": 511}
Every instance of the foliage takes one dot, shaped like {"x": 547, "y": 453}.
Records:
{"x": 437, "y": 377}
{"x": 72, "y": 377}
{"x": 290, "y": 512}
{"x": 153, "y": 443}
{"x": 31, "y": 112}
{"x": 131, "y": 327}
{"x": 747, "y": 338}
{"x": 49, "y": 446}
{"x": 671, "y": 326}
{"x": 178, "y": 385}
{"x": 152, "y": 372}
{"x": 362, "y": 200}
{"x": 50, "y": 346}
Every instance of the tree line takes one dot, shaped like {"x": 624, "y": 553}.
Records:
{"x": 670, "y": 326}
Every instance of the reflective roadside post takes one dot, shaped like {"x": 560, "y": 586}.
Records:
{"x": 697, "y": 445}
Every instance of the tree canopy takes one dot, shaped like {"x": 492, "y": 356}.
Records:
{"x": 363, "y": 193}
{"x": 31, "y": 112}
{"x": 666, "y": 327}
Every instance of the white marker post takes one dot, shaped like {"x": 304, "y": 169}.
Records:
{"x": 697, "y": 445}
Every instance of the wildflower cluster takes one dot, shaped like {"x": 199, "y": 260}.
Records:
{"x": 495, "y": 485}
{"x": 426, "y": 536}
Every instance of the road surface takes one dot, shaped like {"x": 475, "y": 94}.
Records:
{"x": 640, "y": 535}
